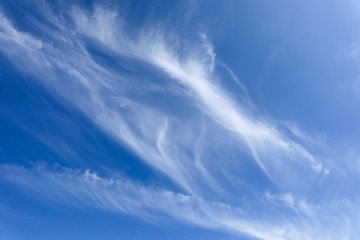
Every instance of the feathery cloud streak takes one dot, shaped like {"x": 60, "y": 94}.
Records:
{"x": 119, "y": 194}
{"x": 92, "y": 82}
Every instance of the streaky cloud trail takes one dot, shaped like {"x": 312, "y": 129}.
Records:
{"x": 120, "y": 194}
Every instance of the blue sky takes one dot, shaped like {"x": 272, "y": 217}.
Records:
{"x": 179, "y": 119}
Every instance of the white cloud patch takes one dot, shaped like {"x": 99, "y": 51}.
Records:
{"x": 279, "y": 157}
{"x": 95, "y": 90}
{"x": 119, "y": 194}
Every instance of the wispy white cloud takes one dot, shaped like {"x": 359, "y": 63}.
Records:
{"x": 119, "y": 194}
{"x": 194, "y": 70}
{"x": 188, "y": 148}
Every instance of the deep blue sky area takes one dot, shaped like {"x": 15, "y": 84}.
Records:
{"x": 179, "y": 119}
